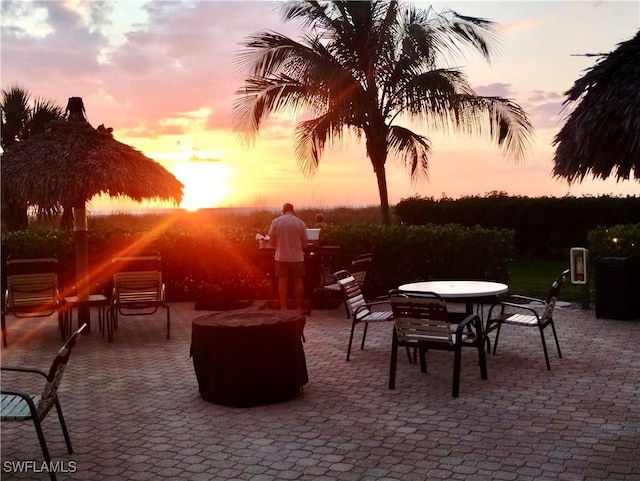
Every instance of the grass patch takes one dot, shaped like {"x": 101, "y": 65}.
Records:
{"x": 534, "y": 277}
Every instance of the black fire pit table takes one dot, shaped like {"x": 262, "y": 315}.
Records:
{"x": 249, "y": 358}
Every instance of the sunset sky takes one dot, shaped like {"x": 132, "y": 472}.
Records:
{"x": 162, "y": 74}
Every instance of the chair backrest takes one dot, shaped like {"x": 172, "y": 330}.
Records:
{"x": 54, "y": 377}
{"x": 421, "y": 317}
{"x": 359, "y": 267}
{"x": 353, "y": 297}
{"x": 138, "y": 286}
{"x": 137, "y": 280}
{"x": 32, "y": 286}
{"x": 554, "y": 293}
{"x": 145, "y": 261}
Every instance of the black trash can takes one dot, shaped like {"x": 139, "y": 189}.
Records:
{"x": 618, "y": 288}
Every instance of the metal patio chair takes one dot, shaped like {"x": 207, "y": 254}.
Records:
{"x": 358, "y": 308}
{"x": 421, "y": 322}
{"x": 20, "y": 406}
{"x": 137, "y": 289}
{"x": 32, "y": 291}
{"x": 528, "y": 312}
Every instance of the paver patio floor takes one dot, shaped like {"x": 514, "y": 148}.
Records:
{"x": 134, "y": 411}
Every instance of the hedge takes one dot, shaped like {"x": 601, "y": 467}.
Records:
{"x": 205, "y": 259}
{"x": 545, "y": 227}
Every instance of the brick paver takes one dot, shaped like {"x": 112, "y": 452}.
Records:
{"x": 134, "y": 411}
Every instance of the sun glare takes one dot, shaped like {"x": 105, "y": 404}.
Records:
{"x": 205, "y": 184}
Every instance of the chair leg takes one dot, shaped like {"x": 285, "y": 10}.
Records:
{"x": 483, "y": 360}
{"x": 544, "y": 348}
{"x": 353, "y": 326}
{"x": 168, "y": 322}
{"x": 482, "y": 357}
{"x": 43, "y": 445}
{"x": 394, "y": 361}
{"x": 495, "y": 341}
{"x": 101, "y": 320}
{"x": 4, "y": 330}
{"x": 423, "y": 359}
{"x": 457, "y": 361}
{"x": 412, "y": 359}
{"x": 110, "y": 324}
{"x": 364, "y": 334}
{"x": 63, "y": 425}
{"x": 555, "y": 336}
{"x": 488, "y": 328}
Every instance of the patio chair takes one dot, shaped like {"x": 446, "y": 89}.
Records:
{"x": 19, "y": 406}
{"x": 358, "y": 308}
{"x": 137, "y": 289}
{"x": 421, "y": 322}
{"x": 528, "y": 312}
{"x": 32, "y": 291}
{"x": 358, "y": 269}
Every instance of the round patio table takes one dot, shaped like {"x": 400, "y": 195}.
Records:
{"x": 469, "y": 292}
{"x": 249, "y": 358}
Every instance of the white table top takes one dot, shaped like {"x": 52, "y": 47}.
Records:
{"x": 458, "y": 289}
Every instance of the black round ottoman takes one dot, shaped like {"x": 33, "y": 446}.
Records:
{"x": 249, "y": 358}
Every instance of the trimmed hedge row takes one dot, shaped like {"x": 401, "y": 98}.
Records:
{"x": 404, "y": 254}
{"x": 226, "y": 261}
{"x": 545, "y": 227}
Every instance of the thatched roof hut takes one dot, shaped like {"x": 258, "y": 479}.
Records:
{"x": 601, "y": 136}
{"x": 71, "y": 162}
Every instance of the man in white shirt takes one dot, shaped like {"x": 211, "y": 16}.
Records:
{"x": 289, "y": 236}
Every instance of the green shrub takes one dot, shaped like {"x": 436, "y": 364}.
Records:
{"x": 404, "y": 254}
{"x": 615, "y": 241}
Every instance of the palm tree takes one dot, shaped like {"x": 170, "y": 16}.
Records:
{"x": 364, "y": 68}
{"x": 21, "y": 119}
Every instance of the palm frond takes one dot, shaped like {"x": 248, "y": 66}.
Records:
{"x": 601, "y": 135}
{"x": 412, "y": 150}
{"x": 264, "y": 96}
{"x": 311, "y": 137}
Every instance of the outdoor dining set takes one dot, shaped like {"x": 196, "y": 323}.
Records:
{"x": 422, "y": 320}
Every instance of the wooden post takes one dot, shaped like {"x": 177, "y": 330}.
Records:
{"x": 81, "y": 237}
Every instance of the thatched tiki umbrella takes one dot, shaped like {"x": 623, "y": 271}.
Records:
{"x": 70, "y": 163}
{"x": 601, "y": 136}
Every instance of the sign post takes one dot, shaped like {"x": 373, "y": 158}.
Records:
{"x": 578, "y": 261}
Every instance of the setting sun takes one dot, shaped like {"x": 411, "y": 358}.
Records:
{"x": 205, "y": 184}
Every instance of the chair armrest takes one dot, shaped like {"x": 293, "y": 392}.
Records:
{"x": 517, "y": 297}
{"x": 381, "y": 299}
{"x": 369, "y": 304}
{"x": 23, "y": 369}
{"x": 513, "y": 305}
{"x": 16, "y": 393}
{"x": 465, "y": 322}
